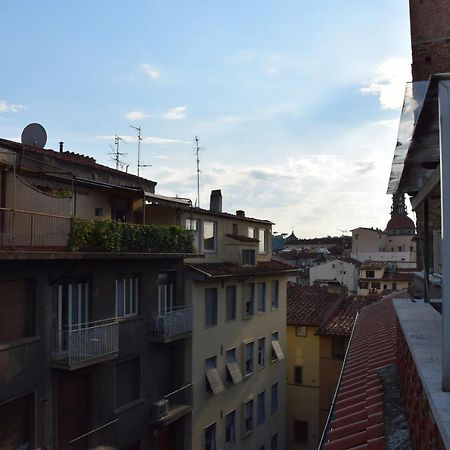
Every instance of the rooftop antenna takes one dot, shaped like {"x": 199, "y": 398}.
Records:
{"x": 139, "y": 137}
{"x": 197, "y": 149}
{"x": 116, "y": 153}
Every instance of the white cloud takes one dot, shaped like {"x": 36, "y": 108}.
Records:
{"x": 177, "y": 113}
{"x": 151, "y": 71}
{"x": 136, "y": 115}
{"x": 388, "y": 82}
{"x": 145, "y": 140}
{"x": 10, "y": 107}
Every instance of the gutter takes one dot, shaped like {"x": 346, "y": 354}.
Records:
{"x": 326, "y": 429}
{"x": 241, "y": 274}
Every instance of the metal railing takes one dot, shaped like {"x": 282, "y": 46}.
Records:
{"x": 173, "y": 403}
{"x": 171, "y": 323}
{"x": 25, "y": 229}
{"x": 79, "y": 343}
{"x": 102, "y": 438}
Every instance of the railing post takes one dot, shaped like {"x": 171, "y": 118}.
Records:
{"x": 31, "y": 229}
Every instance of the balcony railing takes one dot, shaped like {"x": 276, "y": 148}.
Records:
{"x": 102, "y": 438}
{"x": 33, "y": 230}
{"x": 85, "y": 344}
{"x": 171, "y": 407}
{"x": 171, "y": 324}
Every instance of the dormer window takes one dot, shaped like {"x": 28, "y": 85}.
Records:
{"x": 251, "y": 232}
{"x": 209, "y": 236}
{"x": 262, "y": 241}
{"x": 248, "y": 257}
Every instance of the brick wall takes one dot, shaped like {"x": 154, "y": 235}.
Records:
{"x": 430, "y": 37}
{"x": 422, "y": 426}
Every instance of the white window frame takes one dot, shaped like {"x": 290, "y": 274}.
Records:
{"x": 249, "y": 344}
{"x": 214, "y": 250}
{"x": 277, "y": 353}
{"x": 82, "y": 313}
{"x": 249, "y": 312}
{"x": 128, "y": 286}
{"x": 232, "y": 425}
{"x": 165, "y": 294}
{"x": 261, "y": 358}
{"x": 247, "y": 431}
{"x": 262, "y": 242}
{"x": 301, "y": 331}
{"x": 277, "y": 296}
{"x": 194, "y": 226}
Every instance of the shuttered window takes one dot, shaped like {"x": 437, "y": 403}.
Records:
{"x": 233, "y": 372}
{"x": 213, "y": 381}
{"x": 16, "y": 310}
{"x": 277, "y": 352}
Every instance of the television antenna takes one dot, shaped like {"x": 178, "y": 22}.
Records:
{"x": 139, "y": 138}
{"x": 116, "y": 153}
{"x": 197, "y": 149}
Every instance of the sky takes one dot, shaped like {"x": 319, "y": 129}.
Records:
{"x": 296, "y": 104}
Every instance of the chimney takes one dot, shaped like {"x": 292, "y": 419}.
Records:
{"x": 240, "y": 213}
{"x": 61, "y": 146}
{"x": 215, "y": 202}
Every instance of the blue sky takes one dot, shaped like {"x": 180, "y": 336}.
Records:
{"x": 296, "y": 103}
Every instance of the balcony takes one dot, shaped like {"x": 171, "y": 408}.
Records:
{"x": 25, "y": 230}
{"x": 85, "y": 344}
{"x": 171, "y": 325}
{"x": 173, "y": 406}
{"x": 102, "y": 438}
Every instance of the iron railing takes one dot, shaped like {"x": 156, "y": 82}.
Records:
{"x": 172, "y": 323}
{"x": 25, "y": 229}
{"x": 80, "y": 343}
{"x": 102, "y": 438}
{"x": 175, "y": 404}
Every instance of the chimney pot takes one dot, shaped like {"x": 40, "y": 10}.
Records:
{"x": 215, "y": 201}
{"x": 61, "y": 146}
{"x": 240, "y": 213}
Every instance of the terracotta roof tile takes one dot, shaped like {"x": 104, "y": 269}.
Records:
{"x": 241, "y": 238}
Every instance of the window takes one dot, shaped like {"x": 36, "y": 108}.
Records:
{"x": 127, "y": 288}
{"x": 248, "y": 417}
{"x": 261, "y": 351}
{"x": 262, "y": 241}
{"x": 275, "y": 293}
{"x": 261, "y": 404}
{"x": 193, "y": 225}
{"x": 210, "y": 307}
{"x": 165, "y": 292}
{"x": 274, "y": 400}
{"x": 251, "y": 232}
{"x": 370, "y": 274}
{"x": 230, "y": 427}
{"x": 231, "y": 298}
{"x": 209, "y": 236}
{"x": 235, "y": 229}
{"x": 277, "y": 353}
{"x": 233, "y": 373}
{"x": 394, "y": 286}
{"x": 99, "y": 212}
{"x": 210, "y": 437}
{"x": 301, "y": 431}
{"x": 16, "y": 310}
{"x": 274, "y": 442}
{"x": 364, "y": 285}
{"x": 249, "y": 358}
{"x": 385, "y": 286}
{"x": 128, "y": 381}
{"x": 248, "y": 257}
{"x": 300, "y": 331}
{"x": 298, "y": 375}
{"x": 213, "y": 381}
{"x": 261, "y": 298}
{"x": 399, "y": 248}
{"x": 376, "y": 285}
{"x": 338, "y": 347}
{"x": 249, "y": 299}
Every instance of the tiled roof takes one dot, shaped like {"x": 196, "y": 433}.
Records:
{"x": 341, "y": 323}
{"x": 309, "y": 305}
{"x": 349, "y": 260}
{"x": 373, "y": 265}
{"x": 357, "y": 417}
{"x": 217, "y": 270}
{"x": 392, "y": 276}
{"x": 241, "y": 238}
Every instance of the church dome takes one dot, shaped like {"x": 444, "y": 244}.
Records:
{"x": 400, "y": 222}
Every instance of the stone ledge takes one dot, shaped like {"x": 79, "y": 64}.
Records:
{"x": 421, "y": 325}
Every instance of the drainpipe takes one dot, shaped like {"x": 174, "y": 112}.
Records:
{"x": 426, "y": 251}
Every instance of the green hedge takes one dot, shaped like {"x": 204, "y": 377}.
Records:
{"x": 114, "y": 236}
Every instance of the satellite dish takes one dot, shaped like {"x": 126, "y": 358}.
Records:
{"x": 34, "y": 134}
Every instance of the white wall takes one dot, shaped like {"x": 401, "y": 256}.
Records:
{"x": 344, "y": 272}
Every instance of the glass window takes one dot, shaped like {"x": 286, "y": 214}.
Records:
{"x": 248, "y": 257}
{"x": 209, "y": 236}
{"x": 210, "y": 437}
{"x": 248, "y": 417}
{"x": 251, "y": 232}
{"x": 338, "y": 347}
{"x": 213, "y": 381}
{"x": 262, "y": 241}
{"x": 249, "y": 358}
{"x": 233, "y": 373}
{"x": 193, "y": 225}
{"x": 261, "y": 297}
{"x": 128, "y": 381}
{"x": 301, "y": 431}
{"x": 231, "y": 299}
{"x": 127, "y": 288}
{"x": 364, "y": 285}
{"x": 300, "y": 331}
{"x": 230, "y": 427}
{"x": 274, "y": 401}
{"x": 275, "y": 293}
{"x": 274, "y": 442}
{"x": 298, "y": 375}
{"x": 261, "y": 351}
{"x": 210, "y": 307}
{"x": 249, "y": 299}
{"x": 277, "y": 352}
{"x": 165, "y": 292}
{"x": 376, "y": 285}
{"x": 370, "y": 274}
{"x": 261, "y": 402}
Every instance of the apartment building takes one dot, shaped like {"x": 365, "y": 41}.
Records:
{"x": 238, "y": 295}
{"x": 95, "y": 340}
{"x": 343, "y": 270}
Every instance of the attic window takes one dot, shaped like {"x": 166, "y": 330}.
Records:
{"x": 300, "y": 331}
{"x": 248, "y": 257}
